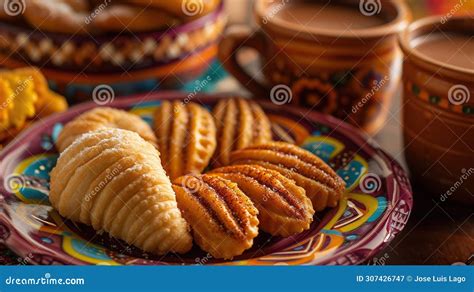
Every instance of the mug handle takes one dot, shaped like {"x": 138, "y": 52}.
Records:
{"x": 232, "y": 42}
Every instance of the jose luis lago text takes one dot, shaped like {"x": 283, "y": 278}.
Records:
{"x": 441, "y": 279}
{"x": 410, "y": 278}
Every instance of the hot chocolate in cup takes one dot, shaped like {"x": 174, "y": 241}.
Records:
{"x": 438, "y": 111}
{"x": 336, "y": 57}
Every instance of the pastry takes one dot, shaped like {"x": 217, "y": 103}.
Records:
{"x": 186, "y": 9}
{"x": 61, "y": 16}
{"x": 119, "y": 17}
{"x": 21, "y": 98}
{"x": 283, "y": 207}
{"x": 323, "y": 186}
{"x": 24, "y": 97}
{"x": 240, "y": 123}
{"x": 224, "y": 221}
{"x": 112, "y": 179}
{"x": 186, "y": 137}
{"x": 48, "y": 102}
{"x": 103, "y": 117}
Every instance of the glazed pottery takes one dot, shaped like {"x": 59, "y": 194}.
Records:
{"x": 349, "y": 71}
{"x": 128, "y": 62}
{"x": 438, "y": 106}
{"x": 375, "y": 208}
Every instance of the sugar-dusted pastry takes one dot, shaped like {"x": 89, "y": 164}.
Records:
{"x": 224, "y": 220}
{"x": 186, "y": 137}
{"x": 112, "y": 179}
{"x": 103, "y": 117}
{"x": 62, "y": 16}
{"x": 323, "y": 186}
{"x": 283, "y": 207}
{"x": 240, "y": 123}
{"x": 122, "y": 17}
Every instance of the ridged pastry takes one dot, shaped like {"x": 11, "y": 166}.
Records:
{"x": 284, "y": 209}
{"x": 122, "y": 17}
{"x": 113, "y": 180}
{"x": 186, "y": 9}
{"x": 61, "y": 16}
{"x": 224, "y": 221}
{"x": 186, "y": 137}
{"x": 323, "y": 186}
{"x": 240, "y": 123}
{"x": 103, "y": 117}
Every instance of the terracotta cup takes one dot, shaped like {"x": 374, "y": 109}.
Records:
{"x": 438, "y": 108}
{"x": 351, "y": 73}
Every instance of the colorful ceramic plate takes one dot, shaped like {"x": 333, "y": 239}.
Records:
{"x": 375, "y": 209}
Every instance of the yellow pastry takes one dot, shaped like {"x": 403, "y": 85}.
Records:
{"x": 6, "y": 104}
{"x": 103, "y": 117}
{"x": 323, "y": 186}
{"x": 112, "y": 179}
{"x": 186, "y": 137}
{"x": 240, "y": 123}
{"x": 284, "y": 209}
{"x": 224, "y": 221}
{"x": 23, "y": 99}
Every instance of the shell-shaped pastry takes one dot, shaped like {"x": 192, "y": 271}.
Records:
{"x": 240, "y": 123}
{"x": 283, "y": 207}
{"x": 224, "y": 220}
{"x": 323, "y": 186}
{"x": 186, "y": 137}
{"x": 113, "y": 180}
{"x": 100, "y": 118}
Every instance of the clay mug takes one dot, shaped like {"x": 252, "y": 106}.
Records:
{"x": 337, "y": 57}
{"x": 438, "y": 106}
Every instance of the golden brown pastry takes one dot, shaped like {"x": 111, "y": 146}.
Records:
{"x": 323, "y": 186}
{"x": 224, "y": 221}
{"x": 186, "y": 137}
{"x": 113, "y": 180}
{"x": 186, "y": 9}
{"x": 240, "y": 123}
{"x": 103, "y": 117}
{"x": 283, "y": 207}
{"x": 62, "y": 16}
{"x": 121, "y": 17}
